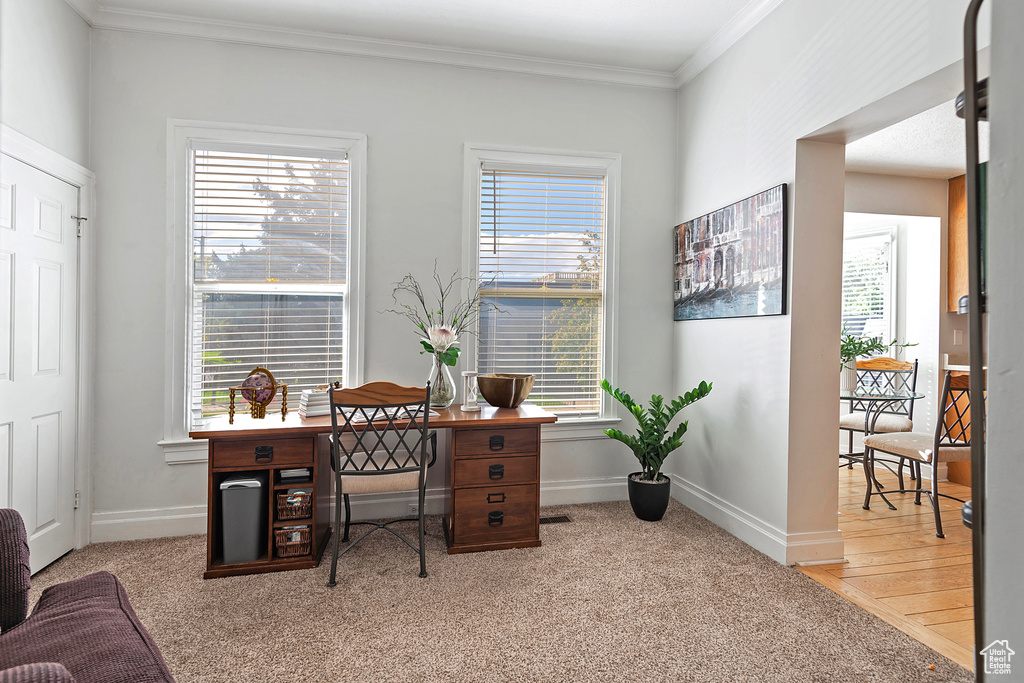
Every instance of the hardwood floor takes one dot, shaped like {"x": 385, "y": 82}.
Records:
{"x": 899, "y": 571}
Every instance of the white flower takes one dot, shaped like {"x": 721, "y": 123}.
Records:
{"x": 441, "y": 338}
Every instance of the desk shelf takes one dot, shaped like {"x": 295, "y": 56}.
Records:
{"x": 473, "y": 449}
{"x": 237, "y": 453}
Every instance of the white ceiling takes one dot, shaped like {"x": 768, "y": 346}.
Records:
{"x": 932, "y": 144}
{"x": 649, "y": 35}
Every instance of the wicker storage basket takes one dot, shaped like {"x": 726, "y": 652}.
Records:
{"x": 293, "y": 542}
{"x": 294, "y": 505}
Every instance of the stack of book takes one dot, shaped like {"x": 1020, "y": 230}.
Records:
{"x": 314, "y": 402}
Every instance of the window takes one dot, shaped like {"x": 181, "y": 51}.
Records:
{"x": 267, "y": 230}
{"x": 543, "y": 245}
{"x": 269, "y": 235}
{"x": 869, "y": 285}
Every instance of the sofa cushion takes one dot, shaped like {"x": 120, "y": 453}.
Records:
{"x": 15, "y": 574}
{"x": 45, "y": 672}
{"x": 88, "y": 626}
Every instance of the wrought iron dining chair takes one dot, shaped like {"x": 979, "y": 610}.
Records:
{"x": 951, "y": 442}
{"x": 884, "y": 374}
{"x": 379, "y": 436}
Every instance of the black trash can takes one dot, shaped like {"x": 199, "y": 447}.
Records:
{"x": 243, "y": 514}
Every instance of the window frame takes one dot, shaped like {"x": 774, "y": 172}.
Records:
{"x": 608, "y": 164}
{"x": 891, "y": 233}
{"x": 183, "y": 137}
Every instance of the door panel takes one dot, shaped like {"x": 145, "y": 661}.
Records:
{"x": 6, "y": 314}
{"x": 48, "y": 309}
{"x": 6, "y": 439}
{"x": 38, "y": 355}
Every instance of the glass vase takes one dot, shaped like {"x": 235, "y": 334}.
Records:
{"x": 442, "y": 386}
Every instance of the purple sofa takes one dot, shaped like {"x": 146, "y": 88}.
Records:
{"x": 81, "y": 631}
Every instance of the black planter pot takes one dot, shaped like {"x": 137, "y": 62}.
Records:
{"x": 649, "y": 498}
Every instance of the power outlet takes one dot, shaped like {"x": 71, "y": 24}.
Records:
{"x": 414, "y": 508}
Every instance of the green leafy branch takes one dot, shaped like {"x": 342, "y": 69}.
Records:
{"x": 653, "y": 442}
{"x": 852, "y": 347}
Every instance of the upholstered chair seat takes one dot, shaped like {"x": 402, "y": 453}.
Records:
{"x": 916, "y": 446}
{"x": 886, "y": 422}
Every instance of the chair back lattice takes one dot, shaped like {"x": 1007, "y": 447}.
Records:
{"x": 954, "y": 428}
{"x": 365, "y": 419}
{"x": 885, "y": 375}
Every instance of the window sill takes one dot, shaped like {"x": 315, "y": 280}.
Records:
{"x": 578, "y": 429}
{"x": 184, "y": 451}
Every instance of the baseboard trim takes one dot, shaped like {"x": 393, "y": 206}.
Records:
{"x": 750, "y": 529}
{"x": 128, "y": 525}
{"x": 577, "y": 491}
{"x": 815, "y": 547}
{"x": 790, "y": 549}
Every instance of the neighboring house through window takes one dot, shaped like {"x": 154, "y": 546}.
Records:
{"x": 269, "y": 225}
{"x": 543, "y": 245}
{"x": 869, "y": 283}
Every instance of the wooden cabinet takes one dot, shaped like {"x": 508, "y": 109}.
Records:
{"x": 493, "y": 500}
{"x": 956, "y": 229}
{"x": 492, "y": 470}
{"x": 266, "y": 457}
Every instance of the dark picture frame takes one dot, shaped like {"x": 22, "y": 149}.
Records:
{"x": 733, "y": 262}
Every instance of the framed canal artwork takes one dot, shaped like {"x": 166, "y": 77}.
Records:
{"x": 731, "y": 263}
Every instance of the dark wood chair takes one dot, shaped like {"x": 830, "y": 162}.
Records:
{"x": 951, "y": 442}
{"x": 379, "y": 435}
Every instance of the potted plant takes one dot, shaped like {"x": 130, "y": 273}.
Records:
{"x": 649, "y": 488}
{"x": 852, "y": 347}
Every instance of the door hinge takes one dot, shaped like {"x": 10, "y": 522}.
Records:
{"x": 79, "y": 219}
{"x": 78, "y": 498}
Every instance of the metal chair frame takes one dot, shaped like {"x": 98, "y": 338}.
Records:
{"x": 368, "y": 415}
{"x": 955, "y": 433}
{"x": 886, "y": 379}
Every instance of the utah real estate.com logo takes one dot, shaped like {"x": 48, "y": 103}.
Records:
{"x": 997, "y": 657}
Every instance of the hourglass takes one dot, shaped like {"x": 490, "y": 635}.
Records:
{"x": 469, "y": 391}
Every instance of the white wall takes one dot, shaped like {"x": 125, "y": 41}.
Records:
{"x": 44, "y": 84}
{"x": 873, "y": 193}
{"x": 417, "y": 118}
{"x": 1004, "y": 549}
{"x": 918, "y": 299}
{"x": 898, "y": 200}
{"x": 808, "y": 64}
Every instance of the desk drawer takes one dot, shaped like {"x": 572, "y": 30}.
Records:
{"x": 495, "y": 471}
{"x": 494, "y": 442}
{"x": 493, "y": 514}
{"x": 281, "y": 452}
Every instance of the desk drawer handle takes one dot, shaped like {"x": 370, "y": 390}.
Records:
{"x": 497, "y": 442}
{"x": 495, "y": 518}
{"x": 264, "y": 454}
{"x": 496, "y": 497}
{"x": 496, "y": 471}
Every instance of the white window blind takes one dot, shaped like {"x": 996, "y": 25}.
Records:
{"x": 541, "y": 249}
{"x": 868, "y": 309}
{"x": 269, "y": 254}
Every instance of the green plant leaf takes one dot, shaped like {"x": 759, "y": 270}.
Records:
{"x": 652, "y": 443}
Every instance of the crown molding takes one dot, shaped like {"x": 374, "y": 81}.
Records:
{"x": 746, "y": 19}
{"x": 145, "y": 22}
{"x": 88, "y": 9}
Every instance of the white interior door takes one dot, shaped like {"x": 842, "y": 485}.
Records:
{"x": 38, "y": 356}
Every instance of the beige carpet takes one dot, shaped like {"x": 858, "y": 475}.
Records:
{"x": 607, "y": 598}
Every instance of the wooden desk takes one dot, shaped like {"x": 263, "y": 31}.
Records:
{"x": 492, "y": 474}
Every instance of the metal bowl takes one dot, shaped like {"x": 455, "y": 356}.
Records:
{"x": 505, "y": 391}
